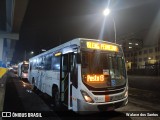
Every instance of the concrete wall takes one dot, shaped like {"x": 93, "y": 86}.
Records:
{"x": 2, "y": 14}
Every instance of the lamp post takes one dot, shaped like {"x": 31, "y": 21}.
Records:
{"x": 106, "y": 12}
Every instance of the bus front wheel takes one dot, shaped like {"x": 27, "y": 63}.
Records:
{"x": 55, "y": 97}
{"x": 33, "y": 84}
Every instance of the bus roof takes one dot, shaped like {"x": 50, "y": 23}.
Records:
{"x": 76, "y": 41}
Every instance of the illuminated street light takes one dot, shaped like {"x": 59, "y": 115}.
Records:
{"x": 106, "y": 12}
{"x": 32, "y": 52}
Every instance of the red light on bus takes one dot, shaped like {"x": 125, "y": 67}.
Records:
{"x": 95, "y": 78}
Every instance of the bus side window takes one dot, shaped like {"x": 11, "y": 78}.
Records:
{"x": 43, "y": 64}
{"x": 48, "y": 62}
{"x": 55, "y": 63}
{"x": 74, "y": 70}
{"x": 39, "y": 63}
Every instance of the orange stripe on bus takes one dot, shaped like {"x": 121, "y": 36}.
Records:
{"x": 107, "y": 98}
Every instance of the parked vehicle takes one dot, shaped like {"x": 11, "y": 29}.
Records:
{"x": 23, "y": 70}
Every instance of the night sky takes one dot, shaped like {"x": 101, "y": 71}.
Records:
{"x": 49, "y": 23}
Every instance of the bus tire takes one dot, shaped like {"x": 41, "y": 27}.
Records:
{"x": 33, "y": 84}
{"x": 55, "y": 98}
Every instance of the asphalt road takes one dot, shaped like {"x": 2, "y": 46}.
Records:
{"x": 19, "y": 97}
{"x": 150, "y": 83}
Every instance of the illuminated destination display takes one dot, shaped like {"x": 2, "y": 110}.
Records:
{"x": 95, "y": 78}
{"x": 101, "y": 46}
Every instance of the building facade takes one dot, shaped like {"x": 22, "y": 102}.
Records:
{"x": 140, "y": 57}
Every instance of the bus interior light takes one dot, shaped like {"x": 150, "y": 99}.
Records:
{"x": 86, "y": 97}
{"x": 58, "y": 54}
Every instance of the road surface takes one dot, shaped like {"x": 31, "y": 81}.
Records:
{"x": 20, "y": 98}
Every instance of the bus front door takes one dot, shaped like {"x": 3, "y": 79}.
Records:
{"x": 65, "y": 80}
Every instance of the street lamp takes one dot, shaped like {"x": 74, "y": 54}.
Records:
{"x": 106, "y": 12}
{"x": 32, "y": 52}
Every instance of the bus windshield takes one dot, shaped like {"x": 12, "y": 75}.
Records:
{"x": 102, "y": 69}
{"x": 24, "y": 68}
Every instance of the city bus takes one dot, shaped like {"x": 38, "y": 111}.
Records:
{"x": 23, "y": 70}
{"x": 82, "y": 74}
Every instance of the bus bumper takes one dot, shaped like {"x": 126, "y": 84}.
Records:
{"x": 93, "y": 107}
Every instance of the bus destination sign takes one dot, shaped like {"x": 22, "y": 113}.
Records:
{"x": 101, "y": 46}
{"x": 95, "y": 78}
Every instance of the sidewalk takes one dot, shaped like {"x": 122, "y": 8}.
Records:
{"x": 2, "y": 90}
{"x": 137, "y": 96}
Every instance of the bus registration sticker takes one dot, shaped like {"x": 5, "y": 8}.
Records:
{"x": 113, "y": 82}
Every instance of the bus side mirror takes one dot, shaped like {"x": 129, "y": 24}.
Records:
{"x": 78, "y": 58}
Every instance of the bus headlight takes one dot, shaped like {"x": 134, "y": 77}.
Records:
{"x": 126, "y": 94}
{"x": 86, "y": 97}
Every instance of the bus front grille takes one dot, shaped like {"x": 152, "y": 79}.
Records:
{"x": 108, "y": 92}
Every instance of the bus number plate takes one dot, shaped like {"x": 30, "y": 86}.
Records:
{"x": 99, "y": 99}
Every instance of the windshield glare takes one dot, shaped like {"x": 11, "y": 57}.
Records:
{"x": 103, "y": 69}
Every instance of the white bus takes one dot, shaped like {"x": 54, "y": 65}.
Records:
{"x": 83, "y": 74}
{"x": 23, "y": 70}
